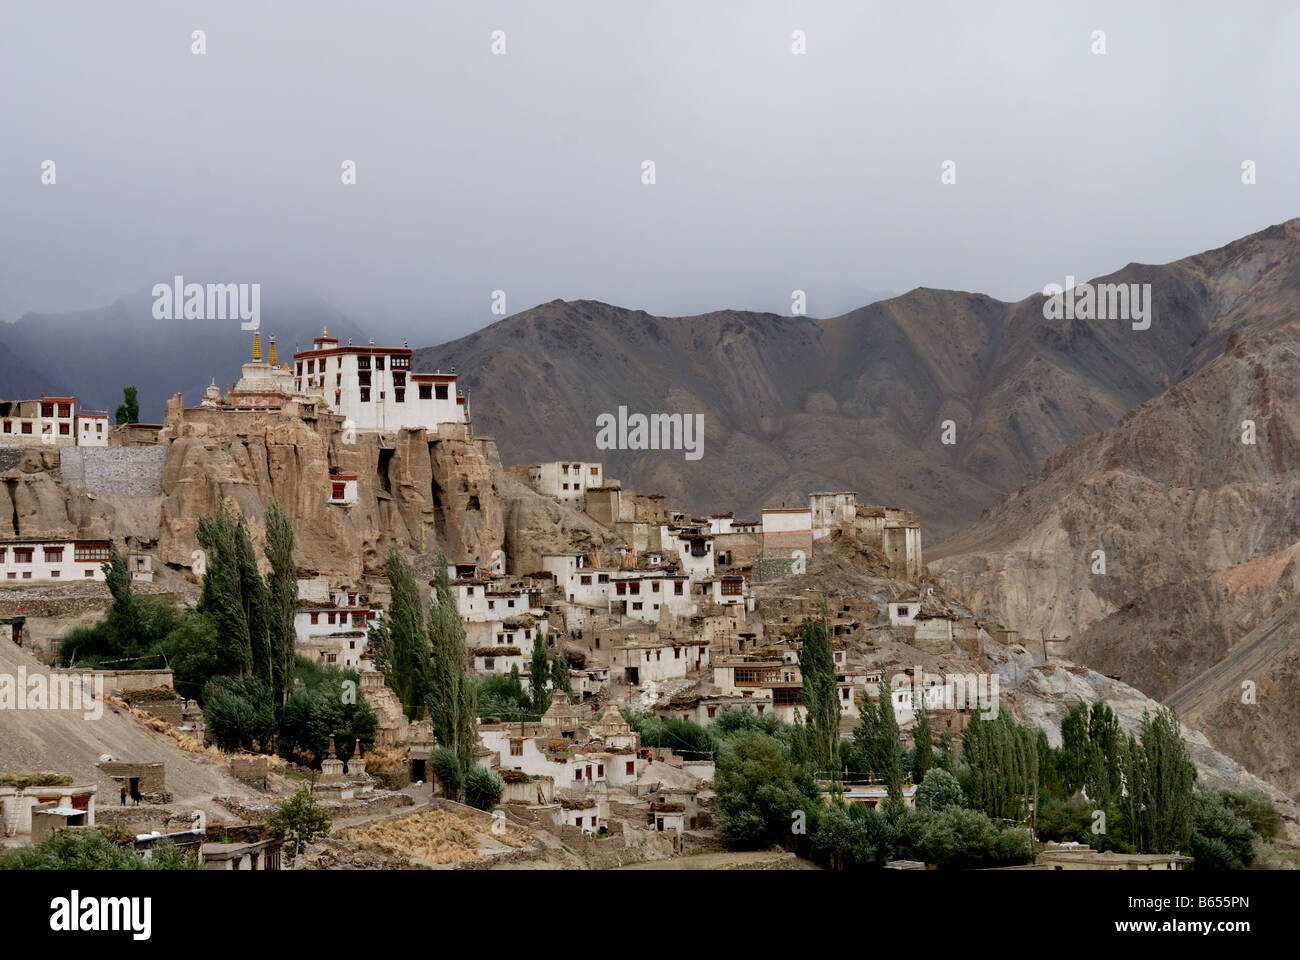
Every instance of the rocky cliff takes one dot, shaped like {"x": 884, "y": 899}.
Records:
{"x": 1199, "y": 526}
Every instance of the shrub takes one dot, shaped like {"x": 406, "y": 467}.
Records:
{"x": 483, "y": 788}
{"x": 446, "y": 770}
{"x": 298, "y": 821}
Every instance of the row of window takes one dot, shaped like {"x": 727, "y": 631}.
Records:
{"x": 55, "y": 554}
{"x": 623, "y": 587}
{"x": 358, "y": 619}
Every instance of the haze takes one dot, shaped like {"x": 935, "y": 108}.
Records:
{"x": 523, "y": 172}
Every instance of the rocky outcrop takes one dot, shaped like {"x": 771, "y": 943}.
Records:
{"x": 1199, "y": 528}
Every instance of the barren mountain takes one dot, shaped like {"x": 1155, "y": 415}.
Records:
{"x": 1199, "y": 527}
{"x": 857, "y": 402}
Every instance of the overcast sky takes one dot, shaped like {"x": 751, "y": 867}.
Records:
{"x": 523, "y": 172}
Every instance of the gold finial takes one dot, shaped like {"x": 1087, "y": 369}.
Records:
{"x": 324, "y": 331}
{"x": 271, "y": 358}
{"x": 257, "y": 346}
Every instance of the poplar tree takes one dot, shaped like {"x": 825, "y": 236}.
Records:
{"x": 402, "y": 646}
{"x": 282, "y": 596}
{"x": 560, "y": 678}
{"x": 923, "y": 753}
{"x": 222, "y": 596}
{"x": 452, "y": 694}
{"x": 121, "y": 620}
{"x": 539, "y": 674}
{"x": 820, "y": 691}
{"x": 255, "y": 604}
{"x": 1160, "y": 780}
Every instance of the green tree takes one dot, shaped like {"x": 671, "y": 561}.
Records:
{"x": 298, "y": 821}
{"x": 760, "y": 789}
{"x": 875, "y": 741}
{"x": 453, "y": 694}
{"x": 539, "y": 675}
{"x": 401, "y": 643}
{"x": 121, "y": 621}
{"x": 938, "y": 789}
{"x": 282, "y": 600}
{"x": 923, "y": 745}
{"x": 561, "y": 680}
{"x": 1159, "y": 777}
{"x": 129, "y": 410}
{"x": 820, "y": 692}
{"x": 238, "y": 714}
{"x": 222, "y": 598}
{"x": 446, "y": 770}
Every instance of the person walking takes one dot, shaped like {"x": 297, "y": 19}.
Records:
{"x": 123, "y": 803}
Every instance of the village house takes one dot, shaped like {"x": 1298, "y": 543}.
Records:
{"x": 637, "y": 661}
{"x": 53, "y": 421}
{"x": 335, "y": 632}
{"x": 565, "y": 480}
{"x": 56, "y": 559}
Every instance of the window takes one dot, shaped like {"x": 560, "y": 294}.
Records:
{"x": 426, "y": 392}
{"x": 712, "y": 712}
{"x": 53, "y": 574}
{"x": 600, "y": 770}
{"x": 64, "y": 429}
{"x": 47, "y": 409}
{"x": 595, "y": 471}
{"x": 315, "y": 617}
{"x": 731, "y": 588}
{"x": 22, "y": 554}
{"x": 363, "y": 379}
{"x": 577, "y": 774}
{"x": 516, "y": 747}
{"x": 27, "y": 574}
{"x": 358, "y": 619}
{"x": 27, "y": 426}
{"x": 492, "y": 604}
{"x": 399, "y": 395}
{"x": 90, "y": 551}
{"x": 379, "y": 363}
{"x": 677, "y": 588}
{"x": 440, "y": 391}
{"x": 677, "y": 653}
{"x": 631, "y": 766}
{"x": 53, "y": 554}
{"x": 402, "y": 362}
{"x": 655, "y": 586}
{"x": 311, "y": 366}
{"x": 620, "y": 588}
{"x": 9, "y": 426}
{"x": 365, "y": 394}
{"x": 363, "y": 363}
{"x": 636, "y": 606}
{"x": 331, "y": 618}
{"x": 339, "y": 490}
{"x": 489, "y": 663}
{"x": 586, "y": 581}
{"x": 399, "y": 377}
{"x": 602, "y": 578}
{"x": 300, "y": 368}
{"x": 90, "y": 574}
{"x": 65, "y": 410}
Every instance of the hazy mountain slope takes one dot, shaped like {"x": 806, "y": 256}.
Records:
{"x": 793, "y": 404}
{"x": 1199, "y": 529}
{"x": 94, "y": 353}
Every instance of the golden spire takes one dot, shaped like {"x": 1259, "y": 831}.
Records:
{"x": 257, "y": 346}
{"x": 271, "y": 358}
{"x": 324, "y": 331}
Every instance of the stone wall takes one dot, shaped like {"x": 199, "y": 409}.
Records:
{"x": 124, "y": 471}
{"x": 9, "y": 458}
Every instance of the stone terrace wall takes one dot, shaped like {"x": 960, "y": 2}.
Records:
{"x": 124, "y": 471}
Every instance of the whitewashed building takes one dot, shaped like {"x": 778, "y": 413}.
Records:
{"x": 375, "y": 389}
{"x": 565, "y": 480}
{"x": 46, "y": 560}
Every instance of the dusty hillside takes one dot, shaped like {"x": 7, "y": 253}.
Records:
{"x": 1199, "y": 529}
{"x": 1035, "y": 692}
{"x": 793, "y": 404}
{"x": 66, "y": 741}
